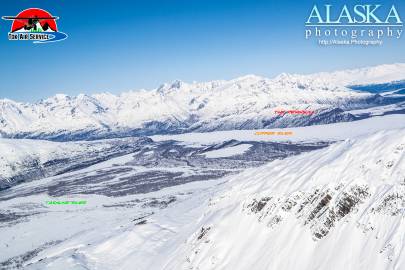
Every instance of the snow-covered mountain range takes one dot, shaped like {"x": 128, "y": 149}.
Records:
{"x": 247, "y": 102}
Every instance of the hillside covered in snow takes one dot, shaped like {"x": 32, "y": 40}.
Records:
{"x": 27, "y": 160}
{"x": 309, "y": 206}
{"x": 248, "y": 102}
{"x": 341, "y": 207}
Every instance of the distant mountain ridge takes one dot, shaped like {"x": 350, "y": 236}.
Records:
{"x": 248, "y": 102}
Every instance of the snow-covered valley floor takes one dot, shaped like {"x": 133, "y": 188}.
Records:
{"x": 340, "y": 206}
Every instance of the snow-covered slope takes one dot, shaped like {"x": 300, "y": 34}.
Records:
{"x": 331, "y": 132}
{"x": 15, "y": 154}
{"x": 27, "y": 160}
{"x": 342, "y": 207}
{"x": 247, "y": 102}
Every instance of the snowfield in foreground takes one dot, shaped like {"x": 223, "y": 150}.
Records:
{"x": 340, "y": 207}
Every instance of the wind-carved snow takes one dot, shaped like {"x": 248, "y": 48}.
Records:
{"x": 247, "y": 102}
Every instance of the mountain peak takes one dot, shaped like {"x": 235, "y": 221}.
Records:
{"x": 177, "y": 84}
{"x": 248, "y": 78}
{"x": 83, "y": 96}
{"x": 61, "y": 96}
{"x": 174, "y": 85}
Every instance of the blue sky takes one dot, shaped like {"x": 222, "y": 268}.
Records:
{"x": 119, "y": 45}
